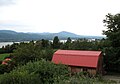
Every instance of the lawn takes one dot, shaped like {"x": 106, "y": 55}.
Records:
{"x": 2, "y": 56}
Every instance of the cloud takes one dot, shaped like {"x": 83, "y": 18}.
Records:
{"x": 6, "y": 2}
{"x": 78, "y": 16}
{"x": 11, "y": 25}
{"x": 15, "y": 26}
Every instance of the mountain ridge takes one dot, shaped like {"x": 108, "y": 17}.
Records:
{"x": 9, "y": 35}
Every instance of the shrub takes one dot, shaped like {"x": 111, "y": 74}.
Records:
{"x": 6, "y": 66}
{"x": 29, "y": 52}
{"x": 39, "y": 72}
{"x": 80, "y": 78}
{"x": 3, "y": 68}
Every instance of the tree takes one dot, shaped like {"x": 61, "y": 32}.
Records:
{"x": 56, "y": 42}
{"x": 45, "y": 43}
{"x": 26, "y": 52}
{"x": 68, "y": 40}
{"x": 66, "y": 45}
{"x": 112, "y": 22}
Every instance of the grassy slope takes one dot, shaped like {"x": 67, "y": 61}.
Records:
{"x": 2, "y": 56}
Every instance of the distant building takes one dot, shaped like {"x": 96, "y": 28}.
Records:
{"x": 89, "y": 61}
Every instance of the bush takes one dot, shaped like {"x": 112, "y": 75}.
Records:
{"x": 19, "y": 78}
{"x": 26, "y": 52}
{"x": 3, "y": 68}
{"x": 7, "y": 67}
{"x": 39, "y": 72}
{"x": 80, "y": 78}
{"x": 45, "y": 72}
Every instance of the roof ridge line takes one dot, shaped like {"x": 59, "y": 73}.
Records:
{"x": 79, "y": 55}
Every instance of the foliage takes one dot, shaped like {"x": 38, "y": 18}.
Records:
{"x": 56, "y": 42}
{"x": 79, "y": 78}
{"x": 39, "y": 72}
{"x": 45, "y": 43}
{"x": 44, "y": 72}
{"x": 112, "y": 22}
{"x": 81, "y": 45}
{"x": 6, "y": 67}
{"x": 67, "y": 44}
{"x": 3, "y": 68}
{"x": 112, "y": 59}
{"x": 8, "y": 48}
{"x": 68, "y": 40}
{"x": 26, "y": 52}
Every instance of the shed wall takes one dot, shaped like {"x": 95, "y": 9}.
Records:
{"x": 91, "y": 71}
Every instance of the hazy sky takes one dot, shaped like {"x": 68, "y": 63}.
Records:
{"x": 83, "y": 17}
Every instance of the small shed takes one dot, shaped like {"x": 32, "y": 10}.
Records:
{"x": 79, "y": 60}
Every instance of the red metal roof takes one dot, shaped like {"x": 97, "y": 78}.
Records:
{"x": 77, "y": 58}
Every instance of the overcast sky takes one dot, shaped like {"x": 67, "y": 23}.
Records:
{"x": 83, "y": 17}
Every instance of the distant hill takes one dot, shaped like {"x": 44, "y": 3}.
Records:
{"x": 8, "y": 35}
{"x": 67, "y": 34}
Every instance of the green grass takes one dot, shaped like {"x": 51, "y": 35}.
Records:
{"x": 2, "y": 56}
